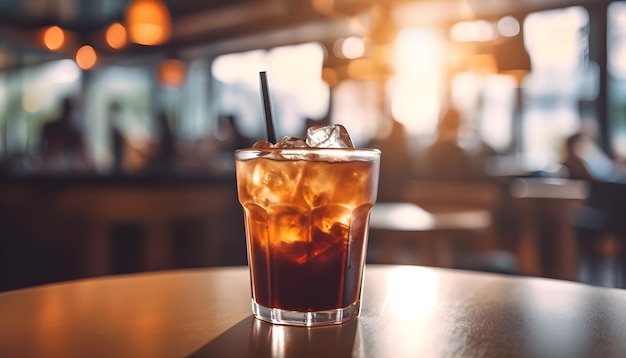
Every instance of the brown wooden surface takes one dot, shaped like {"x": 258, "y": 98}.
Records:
{"x": 408, "y": 311}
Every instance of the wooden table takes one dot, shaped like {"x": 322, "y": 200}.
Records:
{"x": 408, "y": 311}
{"x": 393, "y": 225}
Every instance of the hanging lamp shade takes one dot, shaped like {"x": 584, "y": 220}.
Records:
{"x": 148, "y": 22}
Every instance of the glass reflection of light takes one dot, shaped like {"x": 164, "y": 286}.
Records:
{"x": 545, "y": 316}
{"x": 412, "y": 292}
{"x": 278, "y": 341}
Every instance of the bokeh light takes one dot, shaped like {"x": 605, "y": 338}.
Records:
{"x": 473, "y": 31}
{"x": 54, "y": 38}
{"x": 508, "y": 26}
{"x": 172, "y": 73}
{"x": 116, "y": 36}
{"x": 86, "y": 57}
{"x": 352, "y": 47}
{"x": 148, "y": 22}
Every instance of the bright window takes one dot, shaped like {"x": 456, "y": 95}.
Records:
{"x": 557, "y": 42}
{"x": 416, "y": 88}
{"x": 296, "y": 88}
{"x": 617, "y": 76}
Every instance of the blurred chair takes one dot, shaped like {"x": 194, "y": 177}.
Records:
{"x": 145, "y": 225}
{"x": 543, "y": 220}
{"x": 601, "y": 235}
{"x": 38, "y": 243}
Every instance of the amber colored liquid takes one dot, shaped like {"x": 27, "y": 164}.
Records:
{"x": 306, "y": 226}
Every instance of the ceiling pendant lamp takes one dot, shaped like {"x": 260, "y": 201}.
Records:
{"x": 148, "y": 22}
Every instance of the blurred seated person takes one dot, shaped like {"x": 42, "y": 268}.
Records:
{"x": 61, "y": 144}
{"x": 445, "y": 158}
{"x": 585, "y": 160}
{"x": 573, "y": 162}
{"x": 395, "y": 167}
{"x": 230, "y": 135}
{"x": 116, "y": 136}
{"x": 164, "y": 157}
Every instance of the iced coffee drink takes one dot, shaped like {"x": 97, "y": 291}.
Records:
{"x": 306, "y": 206}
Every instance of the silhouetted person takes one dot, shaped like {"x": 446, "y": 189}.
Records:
{"x": 445, "y": 159}
{"x": 231, "y": 136}
{"x": 395, "y": 163}
{"x": 62, "y": 146}
{"x": 573, "y": 161}
{"x": 117, "y": 140}
{"x": 165, "y": 154}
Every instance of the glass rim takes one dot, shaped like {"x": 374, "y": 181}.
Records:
{"x": 251, "y": 153}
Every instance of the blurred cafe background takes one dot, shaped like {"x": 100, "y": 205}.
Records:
{"x": 502, "y": 125}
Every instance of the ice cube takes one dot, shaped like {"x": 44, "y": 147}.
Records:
{"x": 291, "y": 142}
{"x": 274, "y": 182}
{"x": 327, "y": 217}
{"x": 328, "y": 246}
{"x": 262, "y": 144}
{"x": 333, "y": 136}
{"x": 288, "y": 224}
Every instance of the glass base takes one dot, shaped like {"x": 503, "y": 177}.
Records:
{"x": 306, "y": 319}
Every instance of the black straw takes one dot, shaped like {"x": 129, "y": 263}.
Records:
{"x": 269, "y": 122}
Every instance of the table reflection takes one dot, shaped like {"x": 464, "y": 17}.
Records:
{"x": 254, "y": 338}
{"x": 411, "y": 292}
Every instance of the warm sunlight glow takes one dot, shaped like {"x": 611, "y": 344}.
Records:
{"x": 148, "y": 22}
{"x": 361, "y": 68}
{"x": 53, "y": 38}
{"x": 116, "y": 36}
{"x": 415, "y": 89}
{"x": 86, "y": 57}
{"x": 553, "y": 38}
{"x": 478, "y": 31}
{"x": 330, "y": 76}
{"x": 412, "y": 292}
